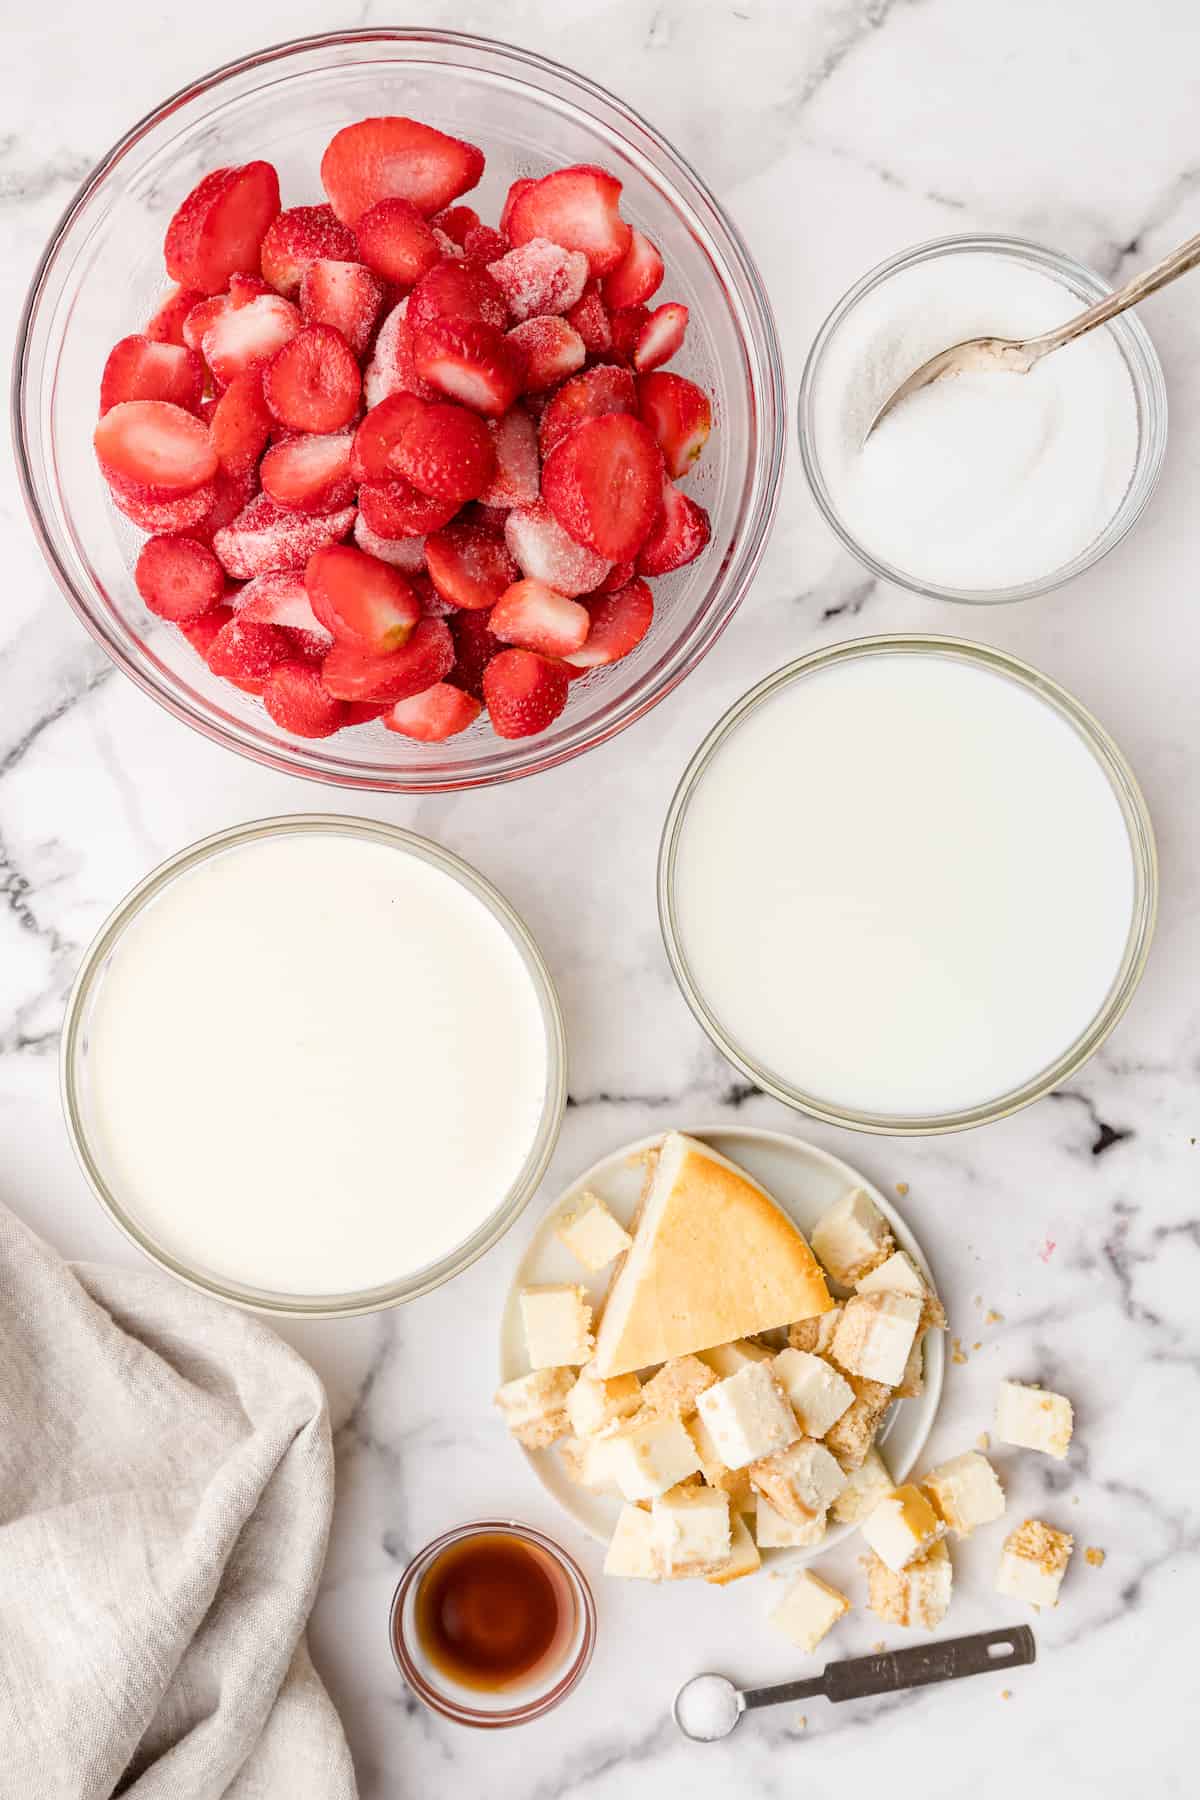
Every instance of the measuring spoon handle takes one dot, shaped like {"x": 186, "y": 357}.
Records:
{"x": 984, "y": 1653}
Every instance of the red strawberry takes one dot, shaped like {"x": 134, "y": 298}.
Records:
{"x": 342, "y": 294}
{"x": 298, "y": 700}
{"x": 241, "y": 423}
{"x": 246, "y": 653}
{"x": 283, "y": 600}
{"x": 378, "y": 435}
{"x": 433, "y": 606}
{"x": 604, "y": 484}
{"x": 231, "y": 495}
{"x": 523, "y": 692}
{"x": 219, "y": 229}
{"x": 483, "y": 245}
{"x": 619, "y": 576}
{"x": 311, "y": 473}
{"x": 200, "y": 633}
{"x": 153, "y": 451}
{"x": 264, "y": 538}
{"x": 439, "y": 712}
{"x": 456, "y": 222}
{"x": 313, "y": 383}
{"x": 638, "y": 275}
{"x": 469, "y": 362}
{"x": 397, "y": 509}
{"x": 679, "y": 414}
{"x": 245, "y": 337}
{"x": 361, "y": 600}
{"x": 456, "y": 290}
{"x": 660, "y": 337}
{"x": 589, "y": 316}
{"x": 391, "y": 369}
{"x": 244, "y": 288}
{"x": 178, "y": 578}
{"x": 190, "y": 514}
{"x": 351, "y": 673}
{"x": 539, "y": 278}
{"x": 522, "y": 184}
{"x": 202, "y": 317}
{"x": 549, "y": 350}
{"x": 364, "y": 712}
{"x": 139, "y": 368}
{"x": 678, "y": 535}
{"x": 165, "y": 324}
{"x": 445, "y": 451}
{"x": 297, "y": 239}
{"x": 378, "y": 159}
{"x": 407, "y": 553}
{"x": 577, "y": 208}
{"x": 618, "y": 622}
{"x": 517, "y": 478}
{"x": 537, "y": 617}
{"x": 395, "y": 240}
{"x": 474, "y": 648}
{"x": 626, "y": 325}
{"x": 469, "y": 565}
{"x": 599, "y": 390}
{"x": 546, "y": 553}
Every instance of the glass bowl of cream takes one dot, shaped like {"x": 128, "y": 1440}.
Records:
{"x": 981, "y": 487}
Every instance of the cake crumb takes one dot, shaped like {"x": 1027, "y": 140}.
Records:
{"x": 802, "y": 1722}
{"x": 879, "y": 1647}
{"x": 1095, "y": 1557}
{"x": 902, "y": 1188}
{"x": 979, "y": 1300}
{"x": 977, "y": 1345}
{"x": 1006, "y": 1693}
{"x": 957, "y": 1353}
{"x": 983, "y": 1441}
{"x": 993, "y": 1317}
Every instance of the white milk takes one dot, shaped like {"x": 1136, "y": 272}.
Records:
{"x": 316, "y": 1064}
{"x": 904, "y": 885}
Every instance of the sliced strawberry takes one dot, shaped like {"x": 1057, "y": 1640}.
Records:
{"x": 537, "y": 617}
{"x": 445, "y": 451}
{"x": 474, "y": 648}
{"x": 241, "y": 423}
{"x": 626, "y": 325}
{"x": 351, "y": 673}
{"x": 202, "y": 317}
{"x": 298, "y": 238}
{"x": 232, "y": 494}
{"x": 264, "y": 538}
{"x": 604, "y": 484}
{"x": 201, "y": 633}
{"x": 283, "y": 600}
{"x": 313, "y": 383}
{"x": 577, "y": 208}
{"x": 407, "y": 553}
{"x": 522, "y": 184}
{"x": 153, "y": 451}
{"x": 190, "y": 514}
{"x": 365, "y": 712}
{"x": 469, "y": 362}
{"x": 618, "y": 622}
{"x": 311, "y": 473}
{"x": 456, "y": 290}
{"x": 433, "y": 606}
{"x": 140, "y": 368}
{"x": 678, "y": 535}
{"x": 605, "y": 388}
{"x": 397, "y": 509}
{"x": 638, "y": 275}
{"x": 440, "y": 712}
{"x": 549, "y": 350}
{"x": 679, "y": 414}
{"x": 590, "y": 318}
{"x": 298, "y": 700}
{"x": 539, "y": 277}
{"x": 247, "y": 336}
{"x": 469, "y": 565}
{"x": 482, "y": 245}
{"x": 361, "y": 600}
{"x": 391, "y": 369}
{"x": 378, "y": 435}
{"x": 395, "y": 240}
{"x": 244, "y": 288}
{"x": 381, "y": 159}
{"x": 456, "y": 222}
{"x": 660, "y": 337}
{"x": 523, "y": 692}
{"x": 517, "y": 478}
{"x": 220, "y": 227}
{"x": 165, "y": 324}
{"x": 246, "y": 653}
{"x": 619, "y": 576}
{"x": 346, "y": 295}
{"x": 178, "y": 578}
{"x": 546, "y": 553}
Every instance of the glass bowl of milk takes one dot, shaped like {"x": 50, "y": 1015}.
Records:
{"x": 314, "y": 1065}
{"x": 982, "y": 487}
{"x": 908, "y": 884}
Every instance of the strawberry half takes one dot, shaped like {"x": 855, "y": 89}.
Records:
{"x": 589, "y": 316}
{"x": 445, "y": 451}
{"x": 153, "y": 451}
{"x": 679, "y": 534}
{"x": 245, "y": 653}
{"x": 351, "y": 673}
{"x": 441, "y": 711}
{"x": 165, "y": 324}
{"x": 545, "y": 552}
{"x": 386, "y": 158}
{"x": 577, "y": 208}
{"x": 178, "y": 578}
{"x": 219, "y": 229}
{"x": 395, "y": 240}
{"x": 483, "y": 245}
{"x": 539, "y": 277}
{"x": 618, "y": 623}
{"x": 604, "y": 484}
{"x": 397, "y": 509}
{"x": 523, "y": 692}
{"x": 283, "y": 600}
{"x": 470, "y": 362}
{"x": 537, "y": 617}
{"x": 264, "y": 538}
{"x": 299, "y": 237}
{"x": 191, "y": 513}
{"x": 548, "y": 350}
{"x": 468, "y": 565}
{"x": 626, "y": 324}
{"x": 407, "y": 553}
{"x": 246, "y": 337}
{"x": 517, "y": 477}
{"x": 201, "y": 633}
{"x": 141, "y": 368}
{"x": 298, "y": 700}
{"x": 345, "y": 295}
{"x": 313, "y": 383}
{"x": 241, "y": 423}
{"x": 379, "y": 434}
{"x": 638, "y": 275}
{"x": 455, "y": 222}
{"x": 456, "y": 290}
{"x": 391, "y": 369}
{"x": 474, "y": 648}
{"x": 660, "y": 336}
{"x": 311, "y": 473}
{"x": 679, "y": 414}
{"x": 605, "y": 388}
{"x": 520, "y": 186}
{"x": 362, "y": 601}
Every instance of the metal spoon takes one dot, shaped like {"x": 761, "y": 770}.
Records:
{"x": 1017, "y": 356}
{"x": 709, "y": 1706}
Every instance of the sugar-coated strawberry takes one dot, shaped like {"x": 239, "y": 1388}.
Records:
{"x": 397, "y": 242}
{"x": 219, "y": 229}
{"x": 153, "y": 451}
{"x": 378, "y": 434}
{"x": 407, "y": 553}
{"x": 178, "y": 578}
{"x": 391, "y": 369}
{"x": 444, "y": 450}
{"x": 619, "y": 576}
{"x": 433, "y": 606}
{"x": 441, "y": 711}
{"x": 365, "y": 712}
{"x": 626, "y": 325}
{"x": 618, "y": 623}
{"x": 297, "y": 239}
{"x": 577, "y": 208}
{"x": 313, "y": 383}
{"x": 469, "y": 565}
{"x": 283, "y": 600}
{"x": 141, "y": 368}
{"x": 265, "y": 538}
{"x": 246, "y": 337}
{"x": 603, "y": 484}
{"x": 678, "y": 534}
{"x": 245, "y": 652}
{"x": 517, "y": 477}
{"x": 232, "y": 494}
{"x": 201, "y": 633}
{"x": 241, "y": 423}
{"x": 539, "y": 277}
{"x": 202, "y": 317}
{"x": 165, "y": 324}
{"x": 298, "y": 700}
{"x": 589, "y": 316}
{"x": 638, "y": 275}
{"x": 397, "y": 509}
{"x": 351, "y": 673}
{"x": 310, "y": 473}
{"x": 679, "y": 414}
{"x": 386, "y": 158}
{"x": 537, "y": 617}
{"x": 660, "y": 336}
{"x": 470, "y": 362}
{"x": 520, "y": 186}
{"x": 482, "y": 245}
{"x": 190, "y": 513}
{"x": 455, "y": 222}
{"x": 545, "y": 552}
{"x": 456, "y": 290}
{"x": 523, "y": 692}
{"x": 346, "y": 295}
{"x": 361, "y": 600}
{"x": 474, "y": 648}
{"x": 602, "y": 389}
{"x": 549, "y": 350}
{"x": 243, "y": 288}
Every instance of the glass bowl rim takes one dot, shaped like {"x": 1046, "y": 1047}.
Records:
{"x": 1143, "y": 851}
{"x": 498, "y": 1221}
{"x": 1138, "y": 353}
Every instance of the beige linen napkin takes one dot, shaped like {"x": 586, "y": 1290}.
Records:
{"x": 166, "y": 1484}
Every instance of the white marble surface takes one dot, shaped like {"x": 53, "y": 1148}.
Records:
{"x": 836, "y": 133}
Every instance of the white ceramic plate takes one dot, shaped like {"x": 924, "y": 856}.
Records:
{"x": 804, "y": 1181}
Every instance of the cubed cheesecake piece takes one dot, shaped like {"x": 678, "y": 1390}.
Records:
{"x": 631, "y": 1547}
{"x": 773, "y": 1532}
{"x": 734, "y": 1482}
{"x": 677, "y": 1386}
{"x": 691, "y": 1531}
{"x": 648, "y": 1456}
{"x": 865, "y": 1488}
{"x": 902, "y": 1527}
{"x": 726, "y": 1359}
{"x": 1033, "y": 1563}
{"x": 748, "y": 1415}
{"x": 875, "y": 1334}
{"x": 899, "y": 1274}
{"x": 743, "y": 1555}
{"x": 965, "y": 1491}
{"x": 918, "y": 1596}
{"x": 593, "y": 1404}
{"x": 799, "y": 1482}
{"x": 1034, "y": 1419}
{"x": 588, "y": 1462}
{"x": 534, "y": 1406}
{"x": 558, "y": 1324}
{"x": 819, "y": 1395}
{"x": 592, "y": 1234}
{"x": 815, "y": 1334}
{"x": 852, "y": 1436}
{"x": 809, "y": 1609}
{"x": 852, "y": 1237}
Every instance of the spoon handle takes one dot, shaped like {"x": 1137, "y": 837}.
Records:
{"x": 983, "y": 1653}
{"x": 1180, "y": 260}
